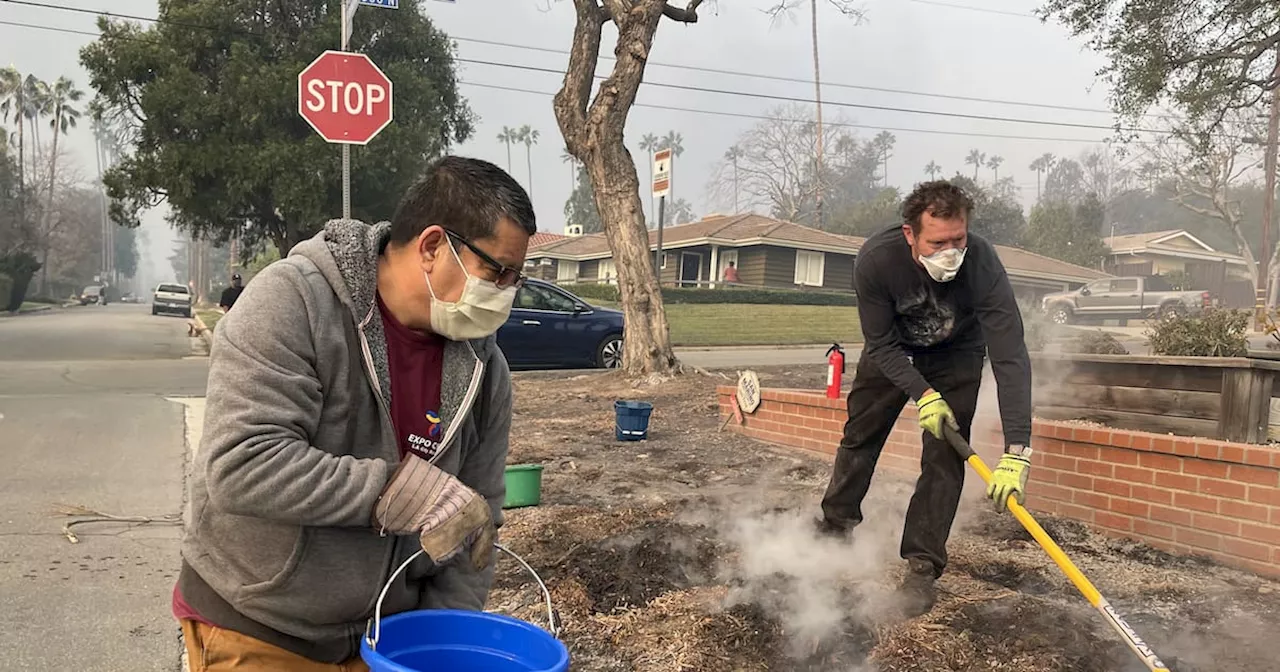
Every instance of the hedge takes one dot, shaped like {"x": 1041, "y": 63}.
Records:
{"x": 6, "y": 286}
{"x": 605, "y": 292}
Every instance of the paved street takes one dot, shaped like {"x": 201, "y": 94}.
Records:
{"x": 88, "y": 418}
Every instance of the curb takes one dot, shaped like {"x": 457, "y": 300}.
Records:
{"x": 205, "y": 333}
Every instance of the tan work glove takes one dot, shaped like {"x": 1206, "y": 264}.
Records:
{"x": 447, "y": 516}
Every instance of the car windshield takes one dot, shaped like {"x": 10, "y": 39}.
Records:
{"x": 91, "y": 290}
{"x": 174, "y": 289}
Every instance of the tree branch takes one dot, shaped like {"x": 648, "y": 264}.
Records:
{"x": 687, "y": 15}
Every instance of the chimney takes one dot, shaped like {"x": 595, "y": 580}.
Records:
{"x": 573, "y": 230}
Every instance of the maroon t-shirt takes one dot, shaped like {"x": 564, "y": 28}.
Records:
{"x": 416, "y": 361}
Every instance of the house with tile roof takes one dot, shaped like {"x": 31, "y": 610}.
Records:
{"x": 768, "y": 253}
{"x": 1170, "y": 251}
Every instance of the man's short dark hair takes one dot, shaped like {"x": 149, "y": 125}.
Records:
{"x": 467, "y": 196}
{"x": 939, "y": 198}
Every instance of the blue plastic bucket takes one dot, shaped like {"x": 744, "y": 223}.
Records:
{"x": 448, "y": 640}
{"x": 632, "y": 422}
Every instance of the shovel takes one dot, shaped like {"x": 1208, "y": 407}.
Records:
{"x": 1139, "y": 647}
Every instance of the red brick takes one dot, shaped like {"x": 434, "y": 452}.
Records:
{"x": 1096, "y": 468}
{"x": 1216, "y": 524}
{"x": 1075, "y": 481}
{"x": 1184, "y": 447}
{"x": 1122, "y": 439}
{"x": 1187, "y": 500}
{"x": 1118, "y": 455}
{"x": 1092, "y": 499}
{"x": 1114, "y": 521}
{"x": 1206, "y": 540}
{"x": 1231, "y": 489}
{"x": 1130, "y": 507}
{"x": 1135, "y": 474}
{"x": 1043, "y": 505}
{"x": 1162, "y": 444}
{"x": 1053, "y": 492}
{"x": 1261, "y": 533}
{"x": 1153, "y": 495}
{"x": 1044, "y": 475}
{"x": 1142, "y": 442}
{"x": 1233, "y": 453}
{"x": 1274, "y": 517}
{"x": 1100, "y": 437}
{"x": 1247, "y": 549}
{"x": 1119, "y": 488}
{"x": 1150, "y": 529}
{"x": 1205, "y": 468}
{"x": 1255, "y": 475}
{"x": 1244, "y": 511}
{"x": 1083, "y": 451}
{"x": 1209, "y": 450}
{"x": 1058, "y": 462}
{"x": 1166, "y": 479}
{"x": 1264, "y": 495}
{"x": 1082, "y": 513}
{"x": 1258, "y": 457}
{"x": 1168, "y": 515}
{"x": 1161, "y": 462}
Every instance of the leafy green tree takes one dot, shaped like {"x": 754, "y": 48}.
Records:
{"x": 997, "y": 215}
{"x": 868, "y": 217}
{"x": 1206, "y": 58}
{"x": 677, "y": 211}
{"x": 580, "y": 208}
{"x": 1065, "y": 183}
{"x": 209, "y": 95}
{"x": 1068, "y": 233}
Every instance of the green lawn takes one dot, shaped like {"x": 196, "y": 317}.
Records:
{"x": 748, "y": 324}
{"x": 209, "y": 317}
{"x": 28, "y": 306}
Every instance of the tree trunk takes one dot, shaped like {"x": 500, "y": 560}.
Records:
{"x": 528, "y": 163}
{"x": 593, "y": 132}
{"x": 508, "y": 144}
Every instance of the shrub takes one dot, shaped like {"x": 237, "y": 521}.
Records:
{"x": 603, "y": 292}
{"x": 1216, "y": 333}
{"x": 6, "y": 286}
{"x": 19, "y": 266}
{"x": 1095, "y": 343}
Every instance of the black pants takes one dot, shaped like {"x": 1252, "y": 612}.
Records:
{"x": 874, "y": 405}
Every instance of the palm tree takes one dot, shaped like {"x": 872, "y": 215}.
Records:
{"x": 572, "y": 160}
{"x": 12, "y": 104}
{"x": 36, "y": 96}
{"x": 673, "y": 141}
{"x": 994, "y": 164}
{"x": 933, "y": 170}
{"x": 529, "y": 136}
{"x": 60, "y": 100}
{"x": 506, "y": 137}
{"x": 1042, "y": 165}
{"x": 975, "y": 159}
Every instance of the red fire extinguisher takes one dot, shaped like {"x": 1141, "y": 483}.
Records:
{"x": 835, "y": 370}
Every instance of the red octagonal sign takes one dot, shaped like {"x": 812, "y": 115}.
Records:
{"x": 345, "y": 97}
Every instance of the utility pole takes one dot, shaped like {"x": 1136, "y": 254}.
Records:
{"x": 817, "y": 97}
{"x": 1266, "y": 288}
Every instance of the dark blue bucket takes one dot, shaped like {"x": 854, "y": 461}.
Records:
{"x": 448, "y": 640}
{"x": 632, "y": 419}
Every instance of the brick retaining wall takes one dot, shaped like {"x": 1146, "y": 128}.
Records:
{"x": 1184, "y": 495}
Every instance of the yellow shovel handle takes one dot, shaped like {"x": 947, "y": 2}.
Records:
{"x": 1082, "y": 583}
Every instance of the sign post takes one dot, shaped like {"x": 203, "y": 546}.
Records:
{"x": 661, "y": 187}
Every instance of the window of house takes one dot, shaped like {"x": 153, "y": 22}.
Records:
{"x": 727, "y": 256}
{"x": 810, "y": 267}
{"x": 607, "y": 271}
{"x": 566, "y": 270}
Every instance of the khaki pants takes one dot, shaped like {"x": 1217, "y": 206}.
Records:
{"x": 211, "y": 649}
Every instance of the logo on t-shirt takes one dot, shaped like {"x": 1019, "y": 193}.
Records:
{"x": 428, "y": 447}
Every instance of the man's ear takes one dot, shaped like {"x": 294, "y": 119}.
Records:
{"x": 429, "y": 245}
{"x": 909, "y": 234}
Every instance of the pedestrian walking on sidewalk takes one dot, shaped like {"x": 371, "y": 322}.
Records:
{"x": 358, "y": 412}
{"x": 934, "y": 301}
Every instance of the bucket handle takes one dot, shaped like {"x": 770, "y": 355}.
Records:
{"x": 373, "y": 631}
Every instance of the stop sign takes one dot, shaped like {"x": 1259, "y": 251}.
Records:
{"x": 345, "y": 97}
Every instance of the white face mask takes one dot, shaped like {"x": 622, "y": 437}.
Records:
{"x": 477, "y": 313}
{"x": 945, "y": 264}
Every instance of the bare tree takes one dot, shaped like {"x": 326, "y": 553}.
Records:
{"x": 1203, "y": 163}
{"x": 773, "y": 168}
{"x": 593, "y": 128}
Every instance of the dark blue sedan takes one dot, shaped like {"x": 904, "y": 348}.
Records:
{"x": 551, "y": 328}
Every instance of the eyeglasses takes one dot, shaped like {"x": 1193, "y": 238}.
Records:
{"x": 506, "y": 275}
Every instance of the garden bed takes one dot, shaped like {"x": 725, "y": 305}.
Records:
{"x": 692, "y": 551}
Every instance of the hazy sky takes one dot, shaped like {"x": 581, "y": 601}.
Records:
{"x": 936, "y": 50}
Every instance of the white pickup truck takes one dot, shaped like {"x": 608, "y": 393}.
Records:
{"x": 1131, "y": 298}
{"x": 171, "y": 298}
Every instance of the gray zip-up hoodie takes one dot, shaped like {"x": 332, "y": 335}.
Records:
{"x": 298, "y": 444}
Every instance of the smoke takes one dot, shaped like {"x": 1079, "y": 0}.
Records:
{"x": 828, "y": 594}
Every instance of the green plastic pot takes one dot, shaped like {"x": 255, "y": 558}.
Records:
{"x": 524, "y": 485}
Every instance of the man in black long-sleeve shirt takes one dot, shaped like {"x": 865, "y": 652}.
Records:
{"x": 934, "y": 300}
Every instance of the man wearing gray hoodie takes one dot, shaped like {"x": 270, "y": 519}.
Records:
{"x": 358, "y": 411}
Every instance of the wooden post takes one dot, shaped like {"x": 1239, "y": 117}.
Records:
{"x": 1246, "y": 405}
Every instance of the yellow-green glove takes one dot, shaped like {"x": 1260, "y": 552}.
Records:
{"x": 1009, "y": 478}
{"x": 933, "y": 412}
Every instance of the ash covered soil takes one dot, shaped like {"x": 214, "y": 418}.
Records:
{"x": 692, "y": 551}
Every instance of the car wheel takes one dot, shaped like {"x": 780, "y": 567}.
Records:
{"x": 1060, "y": 315}
{"x": 187, "y": 314}
{"x": 609, "y": 355}
{"x": 154, "y": 311}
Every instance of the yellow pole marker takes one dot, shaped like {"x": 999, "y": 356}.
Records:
{"x": 1082, "y": 583}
